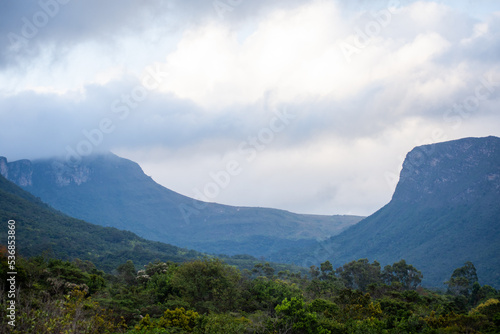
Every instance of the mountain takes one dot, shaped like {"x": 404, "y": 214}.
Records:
{"x": 42, "y": 230}
{"x": 107, "y": 190}
{"x": 445, "y": 211}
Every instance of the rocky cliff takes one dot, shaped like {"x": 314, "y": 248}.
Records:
{"x": 457, "y": 172}
{"x": 19, "y": 172}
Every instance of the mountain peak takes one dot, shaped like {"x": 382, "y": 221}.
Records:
{"x": 458, "y": 170}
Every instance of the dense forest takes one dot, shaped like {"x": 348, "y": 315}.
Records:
{"x": 207, "y": 295}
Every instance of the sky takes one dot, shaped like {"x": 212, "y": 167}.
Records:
{"x": 303, "y": 105}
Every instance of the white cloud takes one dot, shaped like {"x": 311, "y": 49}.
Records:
{"x": 284, "y": 53}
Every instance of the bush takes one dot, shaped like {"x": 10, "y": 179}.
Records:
{"x": 292, "y": 315}
{"x": 178, "y": 318}
{"x": 222, "y": 324}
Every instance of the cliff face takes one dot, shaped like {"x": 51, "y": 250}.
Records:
{"x": 19, "y": 172}
{"x": 3, "y": 167}
{"x": 456, "y": 172}
{"x": 64, "y": 175}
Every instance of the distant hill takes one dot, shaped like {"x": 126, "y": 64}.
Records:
{"x": 111, "y": 191}
{"x": 445, "y": 211}
{"x": 41, "y": 230}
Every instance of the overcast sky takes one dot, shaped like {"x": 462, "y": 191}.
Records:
{"x": 308, "y": 106}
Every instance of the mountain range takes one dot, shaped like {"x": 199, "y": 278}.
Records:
{"x": 107, "y": 190}
{"x": 444, "y": 212}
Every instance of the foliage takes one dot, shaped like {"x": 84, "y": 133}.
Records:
{"x": 355, "y": 305}
{"x": 360, "y": 274}
{"x": 292, "y": 315}
{"x": 210, "y": 296}
{"x": 405, "y": 274}
{"x": 75, "y": 313}
{"x": 179, "y": 319}
{"x": 265, "y": 294}
{"x": 462, "y": 280}
{"x": 222, "y": 324}
{"x": 208, "y": 285}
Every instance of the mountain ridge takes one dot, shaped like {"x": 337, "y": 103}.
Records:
{"x": 111, "y": 191}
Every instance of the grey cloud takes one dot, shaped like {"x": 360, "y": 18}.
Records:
{"x": 38, "y": 125}
{"x": 485, "y": 48}
{"x": 26, "y": 27}
{"x": 29, "y": 26}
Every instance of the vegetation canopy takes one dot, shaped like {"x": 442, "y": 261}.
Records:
{"x": 210, "y": 296}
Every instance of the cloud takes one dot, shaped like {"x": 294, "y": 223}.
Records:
{"x": 365, "y": 82}
{"x": 29, "y": 28}
{"x": 213, "y": 65}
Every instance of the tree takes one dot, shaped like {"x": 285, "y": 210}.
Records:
{"x": 326, "y": 270}
{"x": 209, "y": 284}
{"x": 222, "y": 324}
{"x": 126, "y": 272}
{"x": 264, "y": 294}
{"x": 263, "y": 270}
{"x": 314, "y": 272}
{"x": 406, "y": 274}
{"x": 293, "y": 317}
{"x": 355, "y": 305}
{"x": 462, "y": 280}
{"x": 179, "y": 318}
{"x": 481, "y": 293}
{"x": 359, "y": 274}
{"x": 268, "y": 270}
